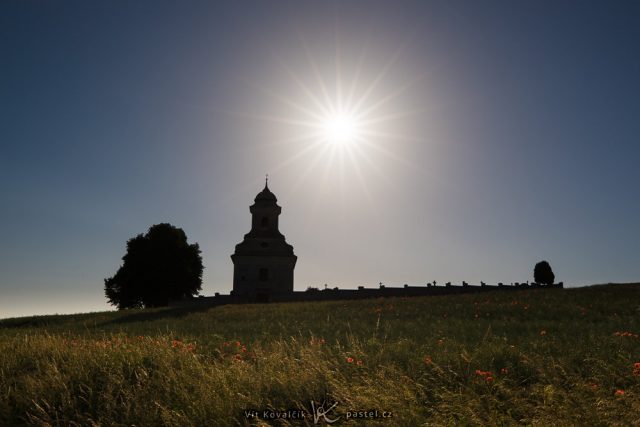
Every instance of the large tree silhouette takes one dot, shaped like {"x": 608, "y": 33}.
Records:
{"x": 158, "y": 267}
{"x": 542, "y": 273}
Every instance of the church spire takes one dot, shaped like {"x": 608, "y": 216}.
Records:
{"x": 266, "y": 195}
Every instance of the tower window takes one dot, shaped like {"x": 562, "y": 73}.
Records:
{"x": 265, "y": 222}
{"x": 264, "y": 274}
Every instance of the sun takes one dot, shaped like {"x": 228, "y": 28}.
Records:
{"x": 338, "y": 119}
{"x": 340, "y": 128}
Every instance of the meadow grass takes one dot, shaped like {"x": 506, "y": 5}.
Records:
{"x": 538, "y": 357}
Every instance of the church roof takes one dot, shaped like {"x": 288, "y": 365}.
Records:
{"x": 266, "y": 195}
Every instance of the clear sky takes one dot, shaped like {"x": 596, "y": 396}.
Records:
{"x": 485, "y": 136}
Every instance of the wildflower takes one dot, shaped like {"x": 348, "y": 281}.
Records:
{"x": 619, "y": 392}
{"x": 626, "y": 334}
{"x": 489, "y": 379}
{"x": 543, "y": 332}
{"x": 504, "y": 371}
{"x": 244, "y": 349}
{"x": 359, "y": 363}
{"x": 349, "y": 359}
{"x": 636, "y": 365}
{"x": 238, "y": 344}
{"x": 427, "y": 360}
{"x": 175, "y": 343}
{"x": 238, "y": 357}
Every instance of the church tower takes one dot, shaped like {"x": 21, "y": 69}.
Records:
{"x": 263, "y": 262}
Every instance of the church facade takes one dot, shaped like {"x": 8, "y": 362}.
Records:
{"x": 263, "y": 262}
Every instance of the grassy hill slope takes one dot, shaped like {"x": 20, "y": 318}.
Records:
{"x": 570, "y": 357}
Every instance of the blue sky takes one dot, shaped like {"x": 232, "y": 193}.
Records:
{"x": 496, "y": 134}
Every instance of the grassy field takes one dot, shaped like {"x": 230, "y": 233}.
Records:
{"x": 542, "y": 357}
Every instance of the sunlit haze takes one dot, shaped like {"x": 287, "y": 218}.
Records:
{"x": 406, "y": 142}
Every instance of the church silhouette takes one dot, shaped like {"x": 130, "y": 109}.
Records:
{"x": 263, "y": 262}
{"x": 263, "y": 265}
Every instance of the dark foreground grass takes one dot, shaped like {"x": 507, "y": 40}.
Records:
{"x": 541, "y": 357}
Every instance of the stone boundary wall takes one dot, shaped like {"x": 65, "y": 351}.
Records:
{"x": 332, "y": 294}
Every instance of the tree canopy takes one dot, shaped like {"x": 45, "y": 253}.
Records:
{"x": 542, "y": 273}
{"x": 158, "y": 267}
